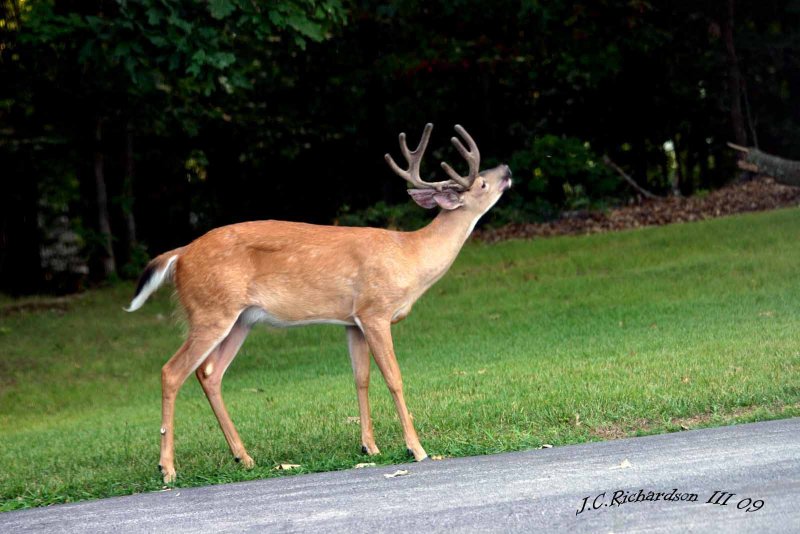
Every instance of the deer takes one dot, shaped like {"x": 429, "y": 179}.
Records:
{"x": 291, "y": 273}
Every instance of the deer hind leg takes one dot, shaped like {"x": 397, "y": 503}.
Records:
{"x": 359, "y": 358}
{"x": 379, "y": 338}
{"x": 210, "y": 375}
{"x": 197, "y": 347}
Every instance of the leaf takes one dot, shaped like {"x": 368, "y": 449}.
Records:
{"x": 158, "y": 40}
{"x": 193, "y": 69}
{"x": 366, "y": 464}
{"x": 86, "y": 51}
{"x": 221, "y": 60}
{"x": 305, "y": 26}
{"x": 351, "y": 419}
{"x": 220, "y": 9}
{"x": 398, "y": 473}
{"x": 276, "y": 18}
{"x": 625, "y": 464}
{"x": 180, "y": 23}
{"x": 285, "y": 467}
{"x": 174, "y": 61}
{"x": 437, "y": 457}
{"x": 154, "y": 16}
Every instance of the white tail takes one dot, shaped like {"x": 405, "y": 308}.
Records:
{"x": 155, "y": 274}
{"x": 290, "y": 274}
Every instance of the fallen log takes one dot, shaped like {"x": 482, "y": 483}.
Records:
{"x": 784, "y": 171}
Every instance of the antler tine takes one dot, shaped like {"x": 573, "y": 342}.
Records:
{"x": 414, "y": 159}
{"x": 473, "y": 157}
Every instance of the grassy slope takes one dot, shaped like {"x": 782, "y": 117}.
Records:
{"x": 552, "y": 341}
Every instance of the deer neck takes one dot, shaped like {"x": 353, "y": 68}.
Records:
{"x": 440, "y": 242}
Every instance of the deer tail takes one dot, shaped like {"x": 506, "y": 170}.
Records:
{"x": 159, "y": 270}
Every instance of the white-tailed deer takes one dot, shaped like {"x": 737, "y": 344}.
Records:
{"x": 287, "y": 274}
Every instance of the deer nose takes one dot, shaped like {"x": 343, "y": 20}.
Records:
{"x": 508, "y": 170}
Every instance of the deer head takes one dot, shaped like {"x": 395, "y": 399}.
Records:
{"x": 476, "y": 192}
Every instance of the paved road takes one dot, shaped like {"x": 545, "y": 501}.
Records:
{"x": 527, "y": 491}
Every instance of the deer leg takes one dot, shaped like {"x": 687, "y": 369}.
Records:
{"x": 379, "y": 338}
{"x": 173, "y": 375}
{"x": 210, "y": 375}
{"x": 359, "y": 358}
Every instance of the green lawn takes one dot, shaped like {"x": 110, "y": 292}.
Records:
{"x": 557, "y": 341}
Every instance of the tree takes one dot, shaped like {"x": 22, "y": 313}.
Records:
{"x": 117, "y": 66}
{"x": 223, "y": 111}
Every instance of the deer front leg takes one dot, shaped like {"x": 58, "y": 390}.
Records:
{"x": 210, "y": 375}
{"x": 359, "y": 358}
{"x": 379, "y": 337}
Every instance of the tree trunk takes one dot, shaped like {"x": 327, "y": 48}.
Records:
{"x": 784, "y": 171}
{"x": 734, "y": 76}
{"x": 677, "y": 170}
{"x": 127, "y": 196}
{"x": 103, "y": 223}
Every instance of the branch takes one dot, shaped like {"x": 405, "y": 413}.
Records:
{"x": 740, "y": 148}
{"x": 644, "y": 192}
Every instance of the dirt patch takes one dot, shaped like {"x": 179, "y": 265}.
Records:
{"x": 759, "y": 194}
{"x": 608, "y": 432}
{"x": 58, "y": 304}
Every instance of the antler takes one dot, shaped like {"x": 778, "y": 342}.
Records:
{"x": 414, "y": 158}
{"x": 473, "y": 157}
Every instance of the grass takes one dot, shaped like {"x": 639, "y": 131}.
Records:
{"x": 556, "y": 341}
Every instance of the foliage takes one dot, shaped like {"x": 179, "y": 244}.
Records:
{"x": 90, "y": 74}
{"x": 406, "y": 216}
{"x": 292, "y": 102}
{"x": 557, "y": 173}
{"x": 629, "y": 331}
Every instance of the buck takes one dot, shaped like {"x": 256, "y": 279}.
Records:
{"x": 290, "y": 274}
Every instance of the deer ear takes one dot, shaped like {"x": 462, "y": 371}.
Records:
{"x": 448, "y": 199}
{"x": 423, "y": 197}
{"x": 430, "y": 198}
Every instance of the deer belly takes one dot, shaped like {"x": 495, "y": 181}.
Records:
{"x": 254, "y": 314}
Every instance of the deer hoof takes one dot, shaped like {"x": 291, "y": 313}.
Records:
{"x": 411, "y": 453}
{"x": 370, "y": 451}
{"x": 169, "y": 476}
{"x": 244, "y": 460}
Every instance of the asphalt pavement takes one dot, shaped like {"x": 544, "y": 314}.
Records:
{"x": 743, "y": 478}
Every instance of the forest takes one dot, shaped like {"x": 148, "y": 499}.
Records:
{"x": 131, "y": 127}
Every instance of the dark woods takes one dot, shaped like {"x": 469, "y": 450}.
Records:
{"x": 127, "y": 128}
